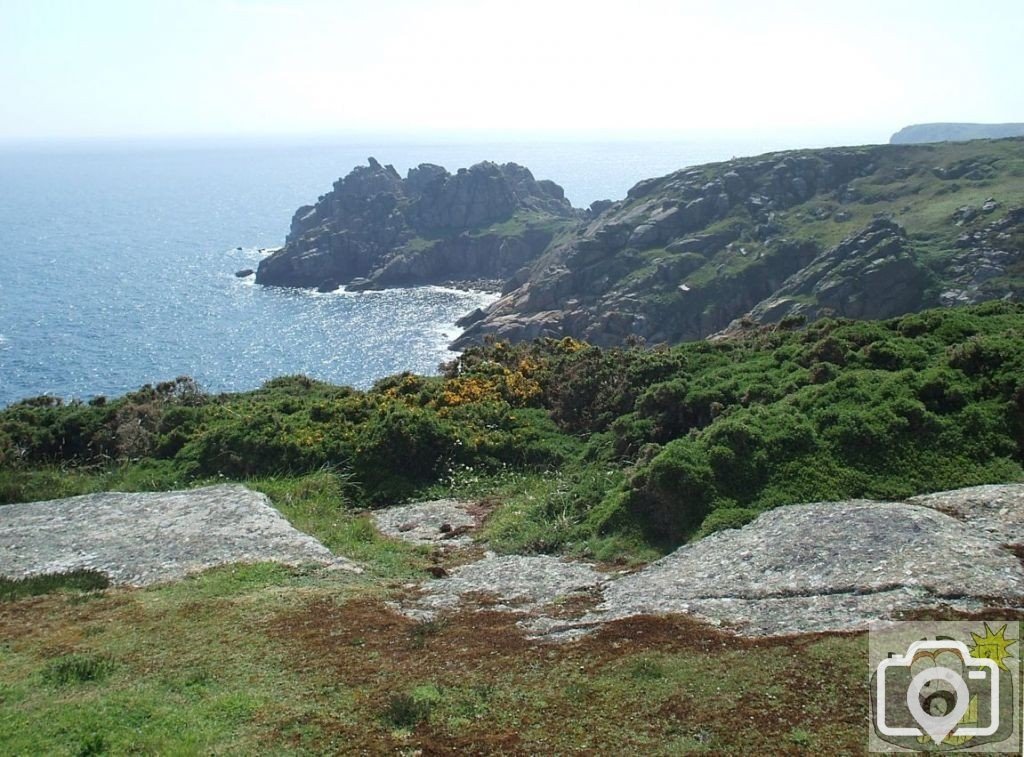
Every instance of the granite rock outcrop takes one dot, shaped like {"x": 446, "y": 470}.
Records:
{"x": 375, "y": 229}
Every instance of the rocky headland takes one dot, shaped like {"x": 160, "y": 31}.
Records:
{"x": 860, "y": 232}
{"x": 375, "y": 229}
{"x": 954, "y": 132}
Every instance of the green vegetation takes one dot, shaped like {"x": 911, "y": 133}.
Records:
{"x": 606, "y": 453}
{"x": 615, "y": 454}
{"x": 519, "y": 223}
{"x": 382, "y": 445}
{"x": 75, "y": 669}
{"x": 80, "y": 581}
{"x": 704, "y": 436}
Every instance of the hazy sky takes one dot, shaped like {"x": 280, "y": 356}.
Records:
{"x": 83, "y": 68}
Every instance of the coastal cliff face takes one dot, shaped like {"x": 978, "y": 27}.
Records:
{"x": 376, "y": 229}
{"x": 866, "y": 232}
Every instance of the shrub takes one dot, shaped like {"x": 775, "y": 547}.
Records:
{"x": 655, "y": 442}
{"x": 406, "y": 711}
{"x": 400, "y": 447}
{"x": 665, "y": 405}
{"x": 726, "y": 518}
{"x": 673, "y": 494}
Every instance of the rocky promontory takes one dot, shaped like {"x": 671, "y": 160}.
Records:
{"x": 375, "y": 229}
{"x": 861, "y": 232}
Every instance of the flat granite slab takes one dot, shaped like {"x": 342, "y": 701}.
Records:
{"x": 832, "y": 566}
{"x": 510, "y": 583}
{"x": 138, "y": 539}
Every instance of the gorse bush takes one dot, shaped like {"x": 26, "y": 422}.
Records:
{"x": 710, "y": 434}
{"x": 401, "y": 435}
{"x": 666, "y": 443}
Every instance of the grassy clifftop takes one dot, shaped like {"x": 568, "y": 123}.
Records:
{"x": 954, "y": 132}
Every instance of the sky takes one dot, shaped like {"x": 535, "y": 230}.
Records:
{"x": 156, "y": 68}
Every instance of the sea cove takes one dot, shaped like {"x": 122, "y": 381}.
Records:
{"x": 119, "y": 258}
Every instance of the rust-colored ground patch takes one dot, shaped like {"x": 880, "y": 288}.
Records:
{"x": 621, "y": 682}
{"x": 363, "y": 640}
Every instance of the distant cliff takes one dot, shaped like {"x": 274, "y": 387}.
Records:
{"x": 921, "y": 133}
{"x": 376, "y": 229}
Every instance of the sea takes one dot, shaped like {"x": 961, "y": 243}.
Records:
{"x": 118, "y": 258}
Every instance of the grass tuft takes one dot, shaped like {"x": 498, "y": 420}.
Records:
{"x": 72, "y": 669}
{"x": 79, "y": 581}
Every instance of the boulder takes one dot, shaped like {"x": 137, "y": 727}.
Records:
{"x": 470, "y": 318}
{"x": 645, "y": 235}
{"x": 597, "y": 207}
{"x": 704, "y": 243}
{"x": 734, "y": 184}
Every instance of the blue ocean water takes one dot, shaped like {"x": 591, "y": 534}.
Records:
{"x": 117, "y": 261}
